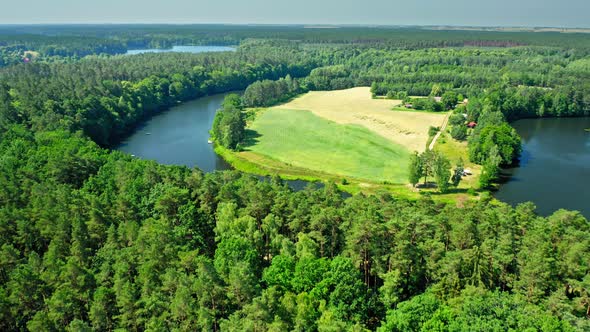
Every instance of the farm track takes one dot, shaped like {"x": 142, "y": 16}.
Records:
{"x": 443, "y": 127}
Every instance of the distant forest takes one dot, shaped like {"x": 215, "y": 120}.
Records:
{"x": 96, "y": 240}
{"x": 81, "y": 40}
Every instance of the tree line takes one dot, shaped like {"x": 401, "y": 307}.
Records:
{"x": 268, "y": 92}
{"x": 411, "y": 38}
{"x": 106, "y": 97}
{"x": 93, "y": 239}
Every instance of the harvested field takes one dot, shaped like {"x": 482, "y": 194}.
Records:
{"x": 355, "y": 106}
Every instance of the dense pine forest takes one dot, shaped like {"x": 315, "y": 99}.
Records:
{"x": 96, "y": 240}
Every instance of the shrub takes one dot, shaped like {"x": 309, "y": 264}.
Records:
{"x": 457, "y": 119}
{"x": 459, "y": 132}
{"x": 433, "y": 130}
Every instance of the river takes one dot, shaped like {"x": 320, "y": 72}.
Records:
{"x": 554, "y": 169}
{"x": 179, "y": 136}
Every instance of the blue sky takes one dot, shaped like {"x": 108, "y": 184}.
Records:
{"x": 563, "y": 13}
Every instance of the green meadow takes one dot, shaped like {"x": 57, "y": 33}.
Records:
{"x": 302, "y": 140}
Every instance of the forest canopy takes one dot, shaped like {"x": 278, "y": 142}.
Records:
{"x": 93, "y": 239}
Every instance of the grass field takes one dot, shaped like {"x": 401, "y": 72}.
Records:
{"x": 302, "y": 140}
{"x": 356, "y": 106}
{"x": 455, "y": 150}
{"x": 346, "y": 135}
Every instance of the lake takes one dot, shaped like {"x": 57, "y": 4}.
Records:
{"x": 554, "y": 170}
{"x": 179, "y": 136}
{"x": 184, "y": 49}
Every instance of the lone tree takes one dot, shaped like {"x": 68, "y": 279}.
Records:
{"x": 459, "y": 132}
{"x": 436, "y": 91}
{"x": 430, "y": 163}
{"x": 416, "y": 169}
{"x": 491, "y": 167}
{"x": 427, "y": 164}
{"x": 458, "y": 173}
{"x": 449, "y": 99}
{"x": 442, "y": 172}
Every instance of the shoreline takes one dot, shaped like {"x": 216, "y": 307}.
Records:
{"x": 353, "y": 186}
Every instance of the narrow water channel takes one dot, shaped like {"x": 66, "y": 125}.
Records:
{"x": 183, "y": 49}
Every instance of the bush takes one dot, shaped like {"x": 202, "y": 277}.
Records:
{"x": 459, "y": 132}
{"x": 426, "y": 104}
{"x": 457, "y": 119}
{"x": 433, "y": 130}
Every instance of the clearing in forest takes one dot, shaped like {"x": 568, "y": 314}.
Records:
{"x": 301, "y": 140}
{"x": 356, "y": 106}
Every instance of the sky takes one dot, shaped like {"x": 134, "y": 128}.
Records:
{"x": 553, "y": 13}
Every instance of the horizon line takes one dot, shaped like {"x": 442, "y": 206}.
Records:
{"x": 363, "y": 25}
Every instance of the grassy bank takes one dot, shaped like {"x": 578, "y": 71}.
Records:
{"x": 253, "y": 163}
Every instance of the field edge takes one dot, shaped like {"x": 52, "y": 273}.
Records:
{"x": 251, "y": 163}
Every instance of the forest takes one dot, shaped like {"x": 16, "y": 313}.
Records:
{"x": 97, "y": 240}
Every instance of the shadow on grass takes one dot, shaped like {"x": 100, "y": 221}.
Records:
{"x": 432, "y": 190}
{"x": 252, "y": 137}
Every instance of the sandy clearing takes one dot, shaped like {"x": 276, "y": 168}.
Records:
{"x": 355, "y": 106}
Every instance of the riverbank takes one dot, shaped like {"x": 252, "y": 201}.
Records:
{"x": 178, "y": 136}
{"x": 257, "y": 164}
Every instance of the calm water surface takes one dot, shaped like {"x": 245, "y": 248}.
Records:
{"x": 180, "y": 136}
{"x": 184, "y": 49}
{"x": 554, "y": 170}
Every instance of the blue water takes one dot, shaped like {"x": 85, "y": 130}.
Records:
{"x": 554, "y": 170}
{"x": 180, "y": 136}
{"x": 184, "y": 49}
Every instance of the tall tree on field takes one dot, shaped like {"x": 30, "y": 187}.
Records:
{"x": 416, "y": 169}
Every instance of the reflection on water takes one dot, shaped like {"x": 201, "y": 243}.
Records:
{"x": 180, "y": 136}
{"x": 554, "y": 170}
